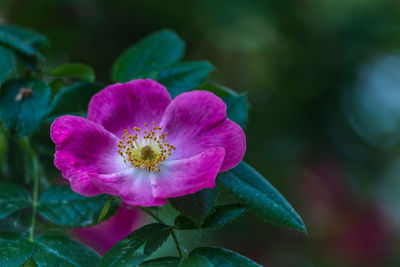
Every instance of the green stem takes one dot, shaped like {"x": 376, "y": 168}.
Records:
{"x": 177, "y": 244}
{"x": 36, "y": 177}
{"x": 35, "y": 171}
{"x": 173, "y": 233}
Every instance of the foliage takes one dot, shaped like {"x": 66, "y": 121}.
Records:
{"x": 196, "y": 206}
{"x": 28, "y": 103}
{"x": 62, "y": 206}
{"x": 220, "y": 216}
{"x": 23, "y": 104}
{"x": 74, "y": 70}
{"x": 259, "y": 196}
{"x": 73, "y": 99}
{"x": 149, "y": 56}
{"x": 13, "y": 198}
{"x": 136, "y": 247}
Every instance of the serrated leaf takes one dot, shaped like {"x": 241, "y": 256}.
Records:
{"x": 149, "y": 55}
{"x": 184, "y": 223}
{"x": 196, "y": 260}
{"x": 184, "y": 76}
{"x": 23, "y": 104}
{"x": 13, "y": 198}
{"x": 22, "y": 40}
{"x": 236, "y": 104}
{"x": 61, "y": 251}
{"x": 17, "y": 222}
{"x": 15, "y": 249}
{"x": 259, "y": 196}
{"x": 73, "y": 99}
{"x": 136, "y": 247}
{"x": 218, "y": 256}
{"x": 162, "y": 262}
{"x": 6, "y": 63}
{"x": 74, "y": 70}
{"x": 196, "y": 206}
{"x": 62, "y": 206}
{"x": 220, "y": 216}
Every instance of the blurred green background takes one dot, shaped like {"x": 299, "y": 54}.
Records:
{"x": 322, "y": 78}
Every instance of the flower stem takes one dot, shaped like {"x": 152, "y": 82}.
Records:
{"x": 36, "y": 176}
{"x": 177, "y": 244}
{"x": 34, "y": 170}
{"x": 173, "y": 233}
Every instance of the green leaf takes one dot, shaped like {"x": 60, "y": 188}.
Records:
{"x": 217, "y": 89}
{"x": 196, "y": 260}
{"x": 105, "y": 210}
{"x": 23, "y": 105}
{"x": 220, "y": 216}
{"x": 61, "y": 251}
{"x": 17, "y": 222}
{"x": 6, "y": 63}
{"x": 22, "y": 40}
{"x": 136, "y": 247}
{"x": 12, "y": 198}
{"x": 237, "y": 109}
{"x": 162, "y": 262}
{"x": 62, "y": 206}
{"x": 74, "y": 70}
{"x": 15, "y": 250}
{"x": 184, "y": 223}
{"x": 236, "y": 104}
{"x": 196, "y": 206}
{"x": 259, "y": 196}
{"x": 56, "y": 85}
{"x": 73, "y": 99}
{"x": 26, "y": 35}
{"x": 149, "y": 55}
{"x": 184, "y": 76}
{"x": 218, "y": 256}
{"x": 30, "y": 263}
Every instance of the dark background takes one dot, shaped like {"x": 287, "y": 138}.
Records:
{"x": 322, "y": 78}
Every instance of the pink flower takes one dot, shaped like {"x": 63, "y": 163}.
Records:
{"x": 140, "y": 145}
{"x": 103, "y": 236}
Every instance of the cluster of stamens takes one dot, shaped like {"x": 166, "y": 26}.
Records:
{"x": 145, "y": 150}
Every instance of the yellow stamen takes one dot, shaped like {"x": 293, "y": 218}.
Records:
{"x": 145, "y": 151}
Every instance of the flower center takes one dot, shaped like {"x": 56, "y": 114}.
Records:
{"x": 147, "y": 153}
{"x": 145, "y": 150}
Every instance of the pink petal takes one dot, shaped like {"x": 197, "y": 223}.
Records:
{"x": 186, "y": 176}
{"x": 84, "y": 147}
{"x": 133, "y": 185}
{"x": 103, "y": 236}
{"x": 123, "y": 106}
{"x": 196, "y": 121}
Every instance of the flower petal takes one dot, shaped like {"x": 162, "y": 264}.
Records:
{"x": 133, "y": 185}
{"x": 83, "y": 185}
{"x": 186, "y": 176}
{"x": 125, "y": 105}
{"x": 84, "y": 147}
{"x": 196, "y": 121}
{"x": 103, "y": 236}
